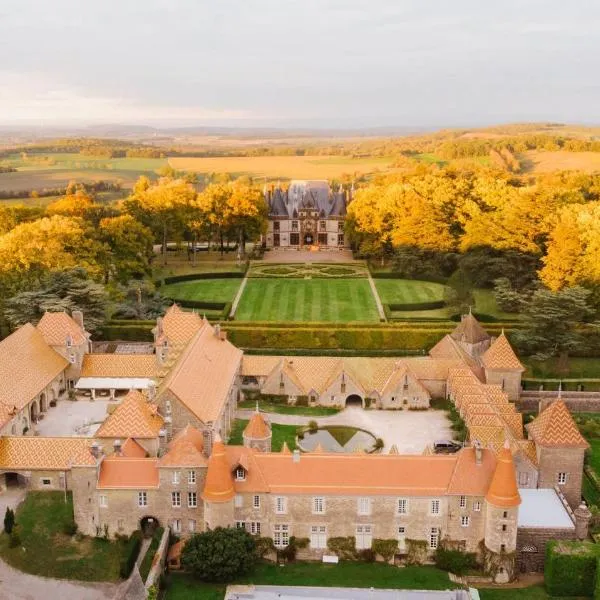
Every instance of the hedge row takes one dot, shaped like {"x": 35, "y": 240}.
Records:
{"x": 388, "y": 275}
{"x": 198, "y": 276}
{"x": 127, "y": 333}
{"x": 130, "y": 554}
{"x": 433, "y": 305}
{"x": 200, "y": 304}
{"x": 570, "y": 568}
{"x": 438, "y": 324}
{"x": 394, "y": 352}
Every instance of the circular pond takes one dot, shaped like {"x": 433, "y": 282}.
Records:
{"x": 337, "y": 439}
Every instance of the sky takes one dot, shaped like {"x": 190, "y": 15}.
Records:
{"x": 330, "y": 63}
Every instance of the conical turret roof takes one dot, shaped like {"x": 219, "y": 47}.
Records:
{"x": 219, "y": 480}
{"x": 503, "y": 491}
{"x": 257, "y": 428}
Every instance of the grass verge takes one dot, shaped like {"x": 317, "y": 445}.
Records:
{"x": 147, "y": 562}
{"x": 286, "y": 409}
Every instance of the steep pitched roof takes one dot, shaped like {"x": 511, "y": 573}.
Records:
{"x": 555, "y": 427}
{"x": 448, "y": 348}
{"x": 470, "y": 478}
{"x": 177, "y": 326}
{"x": 469, "y": 330}
{"x": 44, "y": 453}
{"x": 257, "y": 428}
{"x": 204, "y": 373}
{"x": 128, "y": 473}
{"x": 131, "y": 449}
{"x": 27, "y": 366}
{"x": 55, "y": 327}
{"x": 500, "y": 355}
{"x": 119, "y": 365}
{"x": 135, "y": 417}
{"x": 503, "y": 491}
{"x": 185, "y": 450}
{"x": 218, "y": 486}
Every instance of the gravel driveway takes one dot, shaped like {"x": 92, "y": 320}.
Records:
{"x": 411, "y": 431}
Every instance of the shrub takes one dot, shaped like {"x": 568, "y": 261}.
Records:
{"x": 367, "y": 555}
{"x": 313, "y": 426}
{"x": 416, "y": 551}
{"x": 130, "y": 554}
{"x": 9, "y": 520}
{"x": 264, "y": 545}
{"x": 344, "y": 547}
{"x": 379, "y": 444}
{"x": 220, "y": 554}
{"x": 385, "y": 548}
{"x": 70, "y": 528}
{"x": 570, "y": 568}
{"x": 455, "y": 561}
{"x": 14, "y": 539}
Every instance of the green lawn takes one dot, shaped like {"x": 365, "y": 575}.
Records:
{"x": 204, "y": 290}
{"x": 344, "y": 574}
{"x": 280, "y": 433}
{"x": 337, "y": 300}
{"x": 286, "y": 409}
{"x": 146, "y": 564}
{"x": 49, "y": 551}
{"x": 536, "y": 592}
{"x": 408, "y": 291}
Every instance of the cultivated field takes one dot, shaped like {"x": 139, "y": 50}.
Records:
{"x": 336, "y": 300}
{"x": 408, "y": 291}
{"x": 546, "y": 162}
{"x": 203, "y": 290}
{"x": 284, "y": 167}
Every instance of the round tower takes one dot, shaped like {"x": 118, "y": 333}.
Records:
{"x": 257, "y": 433}
{"x": 502, "y": 507}
{"x": 583, "y": 516}
{"x": 218, "y": 493}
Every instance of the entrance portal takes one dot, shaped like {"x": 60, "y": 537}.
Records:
{"x": 354, "y": 400}
{"x": 148, "y": 526}
{"x": 308, "y": 239}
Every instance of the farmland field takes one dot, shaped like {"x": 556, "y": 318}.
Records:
{"x": 285, "y": 167}
{"x": 408, "y": 291}
{"x": 337, "y": 300}
{"x": 204, "y": 290}
{"x": 545, "y": 162}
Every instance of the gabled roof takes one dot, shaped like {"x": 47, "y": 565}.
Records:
{"x": 131, "y": 449}
{"x": 119, "y": 365}
{"x": 56, "y": 327}
{"x": 555, "y": 427}
{"x": 257, "y": 428}
{"x": 44, "y": 453}
{"x": 117, "y": 472}
{"x": 185, "y": 450}
{"x": 469, "y": 330}
{"x": 27, "y": 365}
{"x": 204, "y": 373}
{"x": 135, "y": 417}
{"x": 448, "y": 348}
{"x": 503, "y": 491}
{"x": 177, "y": 326}
{"x": 500, "y": 355}
{"x": 470, "y": 478}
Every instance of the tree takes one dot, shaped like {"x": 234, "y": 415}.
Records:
{"x": 553, "y": 321}
{"x": 71, "y": 205}
{"x": 220, "y": 554}
{"x": 247, "y": 213}
{"x": 213, "y": 206}
{"x": 458, "y": 293}
{"x": 507, "y": 298}
{"x": 9, "y": 520}
{"x": 66, "y": 290}
{"x": 139, "y": 300}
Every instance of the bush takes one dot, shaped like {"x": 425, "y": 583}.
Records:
{"x": 344, "y": 547}
{"x": 196, "y": 276}
{"x": 313, "y": 426}
{"x": 15, "y": 539}
{"x": 379, "y": 444}
{"x": 571, "y": 568}
{"x": 9, "y": 520}
{"x": 264, "y": 545}
{"x": 220, "y": 555}
{"x": 367, "y": 555}
{"x": 455, "y": 561}
{"x": 385, "y": 548}
{"x": 130, "y": 554}
{"x": 407, "y": 306}
{"x": 70, "y": 528}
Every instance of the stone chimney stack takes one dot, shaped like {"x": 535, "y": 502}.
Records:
{"x": 218, "y": 330}
{"x": 583, "y": 516}
{"x": 95, "y": 450}
{"x": 77, "y": 316}
{"x": 117, "y": 447}
{"x": 478, "y": 452}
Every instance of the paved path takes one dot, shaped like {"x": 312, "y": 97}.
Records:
{"x": 377, "y": 298}
{"x": 292, "y": 255}
{"x": 411, "y": 431}
{"x": 238, "y": 296}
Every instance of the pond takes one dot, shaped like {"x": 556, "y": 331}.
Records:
{"x": 337, "y": 439}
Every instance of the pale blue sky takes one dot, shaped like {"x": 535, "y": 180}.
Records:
{"x": 299, "y": 62}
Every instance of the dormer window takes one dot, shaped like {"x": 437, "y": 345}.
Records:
{"x": 168, "y": 407}
{"x": 240, "y": 474}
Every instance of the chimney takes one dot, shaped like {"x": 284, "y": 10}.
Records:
{"x": 296, "y": 456}
{"x": 162, "y": 440}
{"x": 95, "y": 449}
{"x": 77, "y": 316}
{"x": 207, "y": 434}
{"x": 117, "y": 447}
{"x": 218, "y": 330}
{"x": 159, "y": 326}
{"x": 478, "y": 452}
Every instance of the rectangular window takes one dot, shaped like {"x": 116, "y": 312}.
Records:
{"x": 402, "y": 506}
{"x": 294, "y": 239}
{"x": 322, "y": 239}
{"x": 240, "y": 524}
{"x": 276, "y": 226}
{"x": 477, "y": 506}
{"x": 364, "y": 506}
{"x": 256, "y": 502}
{"x": 142, "y": 499}
{"x": 280, "y": 505}
{"x": 435, "y": 507}
{"x": 175, "y": 499}
{"x": 340, "y": 225}
{"x": 191, "y": 477}
{"x": 364, "y": 536}
{"x": 281, "y": 535}
{"x": 402, "y": 539}
{"x": 177, "y": 525}
{"x": 322, "y": 226}
{"x": 341, "y": 239}
{"x": 192, "y": 500}
{"x": 294, "y": 225}
{"x": 502, "y": 547}
{"x": 102, "y": 501}
{"x": 463, "y": 501}
{"x": 176, "y": 476}
{"x": 434, "y": 537}
{"x": 120, "y": 524}
{"x": 254, "y": 528}
{"x": 562, "y": 478}
{"x": 464, "y": 521}
{"x": 318, "y": 505}
{"x": 505, "y": 514}
{"x": 504, "y": 527}
{"x": 238, "y": 501}
{"x": 523, "y": 478}
{"x": 318, "y": 536}
{"x": 192, "y": 525}
{"x": 240, "y": 474}
{"x": 276, "y": 240}
{"x": 46, "y": 481}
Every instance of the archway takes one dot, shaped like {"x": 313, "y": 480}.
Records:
{"x": 308, "y": 239}
{"x": 354, "y": 400}
{"x": 33, "y": 411}
{"x": 148, "y": 525}
{"x": 14, "y": 480}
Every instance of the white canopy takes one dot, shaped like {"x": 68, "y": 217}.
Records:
{"x": 114, "y": 383}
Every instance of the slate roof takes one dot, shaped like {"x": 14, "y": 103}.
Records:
{"x": 469, "y": 330}
{"x": 307, "y": 194}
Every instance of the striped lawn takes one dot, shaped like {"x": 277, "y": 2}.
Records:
{"x": 333, "y": 300}
{"x": 408, "y": 291}
{"x": 204, "y": 290}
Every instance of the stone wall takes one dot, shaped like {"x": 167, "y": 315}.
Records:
{"x": 553, "y": 461}
{"x": 575, "y": 401}
{"x": 531, "y": 546}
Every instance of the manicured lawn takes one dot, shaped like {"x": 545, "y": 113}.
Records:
{"x": 342, "y": 435}
{"x": 286, "y": 409}
{"x": 408, "y": 291}
{"x": 49, "y": 551}
{"x": 204, "y": 290}
{"x": 485, "y": 303}
{"x": 345, "y": 574}
{"x": 536, "y": 592}
{"x": 281, "y": 433}
{"x": 339, "y": 300}
{"x": 147, "y": 562}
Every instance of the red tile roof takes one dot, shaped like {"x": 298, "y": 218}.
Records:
{"x": 118, "y": 472}
{"x": 555, "y": 427}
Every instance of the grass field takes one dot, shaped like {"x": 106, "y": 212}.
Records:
{"x": 280, "y": 434}
{"x": 337, "y": 300}
{"x": 287, "y": 409}
{"x": 284, "y": 167}
{"x": 204, "y": 290}
{"x": 545, "y": 162}
{"x": 403, "y": 291}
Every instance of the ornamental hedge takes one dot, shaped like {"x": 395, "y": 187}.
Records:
{"x": 198, "y": 276}
{"x": 570, "y": 568}
{"x": 407, "y": 306}
{"x": 130, "y": 554}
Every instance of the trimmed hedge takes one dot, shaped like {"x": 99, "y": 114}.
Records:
{"x": 127, "y": 333}
{"x": 130, "y": 554}
{"x": 195, "y": 276}
{"x": 150, "y": 553}
{"x": 201, "y": 304}
{"x": 417, "y": 306}
{"x": 570, "y": 568}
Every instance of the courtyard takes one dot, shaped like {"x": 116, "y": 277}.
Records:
{"x": 80, "y": 418}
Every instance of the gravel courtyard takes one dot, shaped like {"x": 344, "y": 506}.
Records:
{"x": 74, "y": 418}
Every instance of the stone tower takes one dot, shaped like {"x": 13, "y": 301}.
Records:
{"x": 471, "y": 336}
{"x": 258, "y": 433}
{"x": 218, "y": 493}
{"x": 583, "y": 516}
{"x": 502, "y": 367}
{"x": 502, "y": 507}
